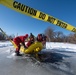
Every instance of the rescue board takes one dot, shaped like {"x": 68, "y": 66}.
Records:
{"x": 33, "y": 48}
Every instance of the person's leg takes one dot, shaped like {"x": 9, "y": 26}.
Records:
{"x": 17, "y": 51}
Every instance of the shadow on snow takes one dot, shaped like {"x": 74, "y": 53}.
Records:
{"x": 51, "y": 57}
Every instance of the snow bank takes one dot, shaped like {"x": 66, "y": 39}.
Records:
{"x": 57, "y": 45}
{"x": 5, "y": 44}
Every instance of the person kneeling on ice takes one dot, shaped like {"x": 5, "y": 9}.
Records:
{"x": 18, "y": 41}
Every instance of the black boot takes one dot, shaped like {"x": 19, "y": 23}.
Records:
{"x": 18, "y": 53}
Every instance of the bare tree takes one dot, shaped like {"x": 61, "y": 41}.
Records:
{"x": 59, "y": 36}
{"x": 2, "y": 37}
{"x": 11, "y": 36}
{"x": 50, "y": 34}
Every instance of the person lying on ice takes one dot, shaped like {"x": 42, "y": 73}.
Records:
{"x": 20, "y": 40}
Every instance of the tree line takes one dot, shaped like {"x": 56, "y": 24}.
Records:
{"x": 59, "y": 36}
{"x": 52, "y": 36}
{"x": 4, "y": 38}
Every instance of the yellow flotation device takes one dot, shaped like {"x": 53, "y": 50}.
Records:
{"x": 33, "y": 48}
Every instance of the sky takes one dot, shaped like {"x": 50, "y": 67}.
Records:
{"x": 13, "y": 22}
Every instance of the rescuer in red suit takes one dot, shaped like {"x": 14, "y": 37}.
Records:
{"x": 18, "y": 41}
{"x": 30, "y": 41}
{"x": 41, "y": 38}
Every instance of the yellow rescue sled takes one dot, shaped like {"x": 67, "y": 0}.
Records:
{"x": 33, "y": 48}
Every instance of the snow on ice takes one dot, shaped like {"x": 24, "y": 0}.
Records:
{"x": 61, "y": 59}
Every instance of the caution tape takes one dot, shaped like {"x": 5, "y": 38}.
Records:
{"x": 8, "y": 38}
{"x": 24, "y": 9}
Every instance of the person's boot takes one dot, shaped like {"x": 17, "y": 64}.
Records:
{"x": 18, "y": 53}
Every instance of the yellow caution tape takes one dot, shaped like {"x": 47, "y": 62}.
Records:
{"x": 24, "y": 9}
